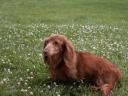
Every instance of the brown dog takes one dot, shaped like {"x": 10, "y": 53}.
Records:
{"x": 67, "y": 64}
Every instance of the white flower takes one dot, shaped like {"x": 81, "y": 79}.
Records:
{"x": 31, "y": 73}
{"x": 4, "y": 79}
{"x": 31, "y": 93}
{"x": 24, "y": 90}
{"x": 29, "y": 54}
{"x": 28, "y": 70}
{"x": 25, "y": 83}
{"x": 79, "y": 86}
{"x": 44, "y": 84}
{"x": 40, "y": 55}
{"x": 41, "y": 39}
{"x": 34, "y": 66}
{"x": 1, "y": 82}
{"x": 9, "y": 71}
{"x": 29, "y": 87}
{"x": 21, "y": 79}
{"x": 94, "y": 47}
{"x": 31, "y": 77}
{"x": 2, "y": 60}
{"x": 26, "y": 80}
{"x": 18, "y": 83}
{"x": 48, "y": 86}
{"x": 58, "y": 94}
{"x": 28, "y": 77}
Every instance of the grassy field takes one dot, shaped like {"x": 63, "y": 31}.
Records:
{"x": 97, "y": 26}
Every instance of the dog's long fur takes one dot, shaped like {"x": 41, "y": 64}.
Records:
{"x": 67, "y": 64}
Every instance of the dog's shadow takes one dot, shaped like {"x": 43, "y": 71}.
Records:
{"x": 65, "y": 83}
{"x": 70, "y": 88}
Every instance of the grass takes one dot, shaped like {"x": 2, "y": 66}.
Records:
{"x": 97, "y": 26}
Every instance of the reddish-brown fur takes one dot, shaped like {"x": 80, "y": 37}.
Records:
{"x": 67, "y": 64}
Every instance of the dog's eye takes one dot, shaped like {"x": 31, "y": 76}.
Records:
{"x": 47, "y": 41}
{"x": 55, "y": 43}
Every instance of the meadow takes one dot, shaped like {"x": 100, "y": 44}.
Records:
{"x": 97, "y": 26}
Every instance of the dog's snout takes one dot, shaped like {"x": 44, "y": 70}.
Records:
{"x": 45, "y": 51}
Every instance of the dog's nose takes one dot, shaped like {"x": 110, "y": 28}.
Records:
{"x": 45, "y": 51}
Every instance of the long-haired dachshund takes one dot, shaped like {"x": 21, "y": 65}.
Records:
{"x": 65, "y": 63}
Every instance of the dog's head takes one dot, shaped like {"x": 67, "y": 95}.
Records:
{"x": 54, "y": 45}
{"x": 57, "y": 47}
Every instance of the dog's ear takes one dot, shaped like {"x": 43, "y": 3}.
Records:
{"x": 70, "y": 59}
{"x": 69, "y": 53}
{"x": 68, "y": 50}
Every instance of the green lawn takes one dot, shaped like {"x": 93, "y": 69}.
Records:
{"x": 97, "y": 26}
